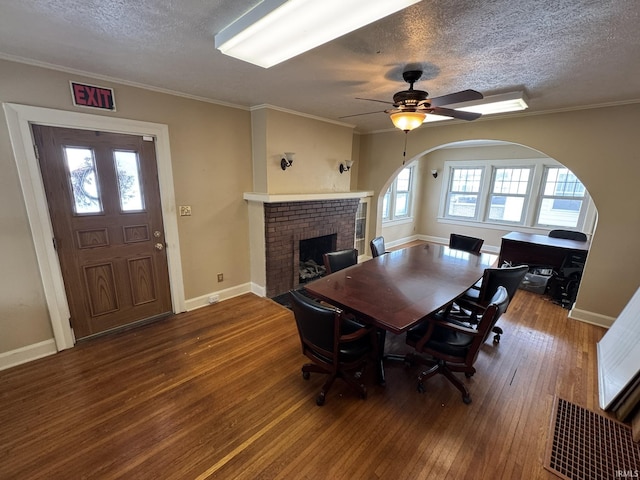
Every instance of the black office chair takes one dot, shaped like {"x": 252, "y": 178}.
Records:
{"x": 336, "y": 345}
{"x": 568, "y": 234}
{"x": 453, "y": 346}
{"x": 335, "y": 261}
{"x": 463, "y": 242}
{"x": 377, "y": 247}
{"x": 475, "y": 300}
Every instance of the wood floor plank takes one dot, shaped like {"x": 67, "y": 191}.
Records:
{"x": 218, "y": 393}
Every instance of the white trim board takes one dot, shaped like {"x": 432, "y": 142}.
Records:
{"x": 27, "y": 354}
{"x": 19, "y": 118}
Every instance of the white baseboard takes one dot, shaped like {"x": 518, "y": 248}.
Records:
{"x": 27, "y": 354}
{"x": 203, "y": 300}
{"x": 590, "y": 317}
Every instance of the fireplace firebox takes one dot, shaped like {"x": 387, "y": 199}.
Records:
{"x": 311, "y": 256}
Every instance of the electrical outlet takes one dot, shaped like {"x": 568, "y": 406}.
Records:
{"x": 220, "y": 277}
{"x": 185, "y": 210}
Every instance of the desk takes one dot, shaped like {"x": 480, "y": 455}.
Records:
{"x": 539, "y": 250}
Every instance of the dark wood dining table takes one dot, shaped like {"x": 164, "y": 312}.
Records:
{"x": 395, "y": 291}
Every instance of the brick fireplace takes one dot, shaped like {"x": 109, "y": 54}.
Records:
{"x": 287, "y": 223}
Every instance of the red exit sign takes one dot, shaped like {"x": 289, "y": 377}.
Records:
{"x": 93, "y": 96}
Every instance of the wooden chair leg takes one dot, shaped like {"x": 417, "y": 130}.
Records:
{"x": 466, "y": 396}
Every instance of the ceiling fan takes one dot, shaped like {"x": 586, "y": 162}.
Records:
{"x": 410, "y": 107}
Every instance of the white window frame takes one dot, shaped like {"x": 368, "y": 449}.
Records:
{"x": 479, "y": 194}
{"x": 392, "y": 191}
{"x": 583, "y": 211}
{"x": 528, "y": 223}
{"x": 527, "y": 196}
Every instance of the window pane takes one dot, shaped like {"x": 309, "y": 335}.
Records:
{"x": 402, "y": 205}
{"x": 466, "y": 180}
{"x": 84, "y": 180}
{"x": 404, "y": 180}
{"x": 561, "y": 182}
{"x": 129, "y": 181}
{"x": 507, "y": 209}
{"x": 511, "y": 180}
{"x": 462, "y": 205}
{"x": 385, "y": 204}
{"x": 559, "y": 212}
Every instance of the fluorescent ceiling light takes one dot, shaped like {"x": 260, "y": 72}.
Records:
{"x": 503, "y": 103}
{"x": 276, "y": 30}
{"x": 435, "y": 118}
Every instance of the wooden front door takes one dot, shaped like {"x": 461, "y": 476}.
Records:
{"x": 104, "y": 202}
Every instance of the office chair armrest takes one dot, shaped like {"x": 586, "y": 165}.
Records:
{"x": 455, "y": 326}
{"x": 353, "y": 336}
{"x": 469, "y": 304}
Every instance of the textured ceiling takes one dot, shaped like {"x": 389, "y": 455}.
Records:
{"x": 563, "y": 53}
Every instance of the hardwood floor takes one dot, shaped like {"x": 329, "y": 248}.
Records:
{"x": 217, "y": 393}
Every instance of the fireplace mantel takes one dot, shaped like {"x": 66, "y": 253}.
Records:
{"x": 302, "y": 197}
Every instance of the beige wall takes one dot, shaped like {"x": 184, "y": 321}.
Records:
{"x": 319, "y": 147}
{"x": 217, "y": 154}
{"x": 211, "y": 158}
{"x": 601, "y": 146}
{"x": 214, "y": 164}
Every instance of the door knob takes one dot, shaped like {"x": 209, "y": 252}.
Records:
{"x": 159, "y": 246}
{"x": 157, "y": 233}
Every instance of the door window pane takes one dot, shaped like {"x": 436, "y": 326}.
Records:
{"x": 129, "y": 187}
{"x": 83, "y": 177}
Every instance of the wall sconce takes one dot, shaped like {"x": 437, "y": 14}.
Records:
{"x": 287, "y": 161}
{"x": 346, "y": 166}
{"x": 434, "y": 172}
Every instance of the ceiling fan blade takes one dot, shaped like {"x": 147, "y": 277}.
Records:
{"x": 359, "y": 114}
{"x": 374, "y": 100}
{"x": 458, "y": 97}
{"x": 449, "y": 112}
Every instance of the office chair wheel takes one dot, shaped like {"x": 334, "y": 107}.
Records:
{"x": 320, "y": 399}
{"x": 498, "y": 331}
{"x": 466, "y": 399}
{"x": 468, "y": 375}
{"x": 421, "y": 388}
{"x": 306, "y": 375}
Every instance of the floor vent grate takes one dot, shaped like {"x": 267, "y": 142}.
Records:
{"x": 584, "y": 445}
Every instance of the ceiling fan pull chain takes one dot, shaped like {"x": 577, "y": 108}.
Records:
{"x": 404, "y": 154}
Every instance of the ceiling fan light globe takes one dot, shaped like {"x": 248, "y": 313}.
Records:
{"x": 407, "y": 120}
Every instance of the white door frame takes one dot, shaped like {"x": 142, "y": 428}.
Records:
{"x": 19, "y": 118}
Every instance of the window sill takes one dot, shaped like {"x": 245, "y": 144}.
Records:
{"x": 399, "y": 221}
